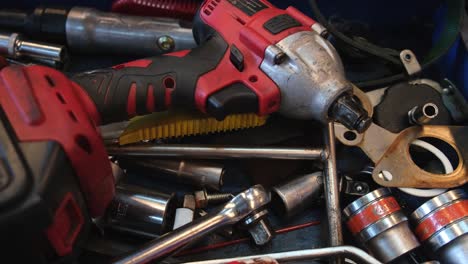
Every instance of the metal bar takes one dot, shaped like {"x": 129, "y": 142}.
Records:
{"x": 216, "y": 152}
{"x": 353, "y": 253}
{"x": 160, "y": 248}
{"x": 332, "y": 192}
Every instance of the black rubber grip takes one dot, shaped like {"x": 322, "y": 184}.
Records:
{"x": 110, "y": 88}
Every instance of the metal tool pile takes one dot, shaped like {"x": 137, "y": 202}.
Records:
{"x": 385, "y": 168}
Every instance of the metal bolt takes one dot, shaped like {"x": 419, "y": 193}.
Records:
{"x": 203, "y": 199}
{"x": 321, "y": 30}
{"x": 447, "y": 91}
{"x": 166, "y": 43}
{"x": 280, "y": 58}
{"x": 358, "y": 188}
{"x": 219, "y": 197}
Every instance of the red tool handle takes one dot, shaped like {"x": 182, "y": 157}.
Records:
{"x": 148, "y": 85}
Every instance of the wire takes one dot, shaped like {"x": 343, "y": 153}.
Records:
{"x": 386, "y": 54}
{"x": 455, "y": 14}
{"x": 245, "y": 239}
{"x": 445, "y": 162}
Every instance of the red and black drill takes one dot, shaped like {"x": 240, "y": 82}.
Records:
{"x": 252, "y": 57}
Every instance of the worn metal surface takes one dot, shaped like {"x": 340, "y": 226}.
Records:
{"x": 365, "y": 100}
{"x": 374, "y": 142}
{"x": 295, "y": 195}
{"x": 311, "y": 78}
{"x": 405, "y": 173}
{"x": 92, "y": 31}
{"x": 390, "y": 152}
{"x": 216, "y": 152}
{"x": 332, "y": 191}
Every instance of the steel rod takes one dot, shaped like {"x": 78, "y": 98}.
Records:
{"x": 216, "y": 152}
{"x": 331, "y": 190}
{"x": 160, "y": 248}
{"x": 353, "y": 253}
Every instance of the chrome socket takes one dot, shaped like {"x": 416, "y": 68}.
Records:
{"x": 139, "y": 211}
{"x": 378, "y": 222}
{"x": 441, "y": 224}
{"x": 197, "y": 173}
{"x": 14, "y": 46}
{"x": 292, "y": 197}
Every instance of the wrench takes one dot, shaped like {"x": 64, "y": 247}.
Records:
{"x": 244, "y": 206}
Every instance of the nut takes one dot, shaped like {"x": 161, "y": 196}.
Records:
{"x": 189, "y": 202}
{"x": 201, "y": 199}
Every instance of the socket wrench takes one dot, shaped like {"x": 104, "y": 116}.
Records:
{"x": 14, "y": 46}
{"x": 242, "y": 207}
{"x": 196, "y": 173}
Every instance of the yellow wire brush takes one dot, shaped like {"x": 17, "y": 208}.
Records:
{"x": 175, "y": 124}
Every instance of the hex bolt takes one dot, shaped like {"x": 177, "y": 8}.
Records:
{"x": 203, "y": 199}
{"x": 166, "y": 43}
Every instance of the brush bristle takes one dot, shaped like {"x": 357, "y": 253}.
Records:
{"x": 179, "y": 124}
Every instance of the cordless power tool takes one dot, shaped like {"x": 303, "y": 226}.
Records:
{"x": 54, "y": 171}
{"x": 252, "y": 58}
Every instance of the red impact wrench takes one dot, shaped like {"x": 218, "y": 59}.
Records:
{"x": 252, "y": 57}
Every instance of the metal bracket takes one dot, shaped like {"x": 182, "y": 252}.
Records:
{"x": 394, "y": 166}
{"x": 454, "y": 101}
{"x": 410, "y": 62}
{"x": 357, "y": 188}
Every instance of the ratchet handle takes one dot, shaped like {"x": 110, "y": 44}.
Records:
{"x": 148, "y": 85}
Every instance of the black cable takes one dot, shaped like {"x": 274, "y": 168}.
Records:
{"x": 456, "y": 9}
{"x": 386, "y": 54}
